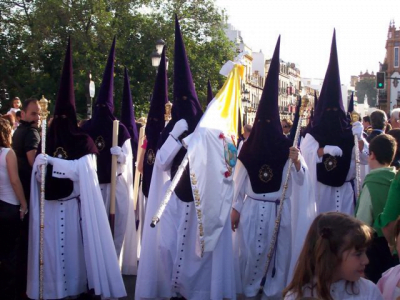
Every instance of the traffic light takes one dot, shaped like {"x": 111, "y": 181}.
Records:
{"x": 380, "y": 80}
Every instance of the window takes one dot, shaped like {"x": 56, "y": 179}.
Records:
{"x": 396, "y": 57}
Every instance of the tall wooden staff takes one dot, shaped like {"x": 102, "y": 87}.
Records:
{"x": 303, "y": 114}
{"x": 354, "y": 118}
{"x": 142, "y": 122}
{"x": 113, "y": 176}
{"x": 43, "y": 115}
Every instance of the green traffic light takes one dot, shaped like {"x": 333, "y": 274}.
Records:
{"x": 380, "y": 85}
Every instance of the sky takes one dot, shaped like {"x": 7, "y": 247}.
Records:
{"x": 306, "y": 29}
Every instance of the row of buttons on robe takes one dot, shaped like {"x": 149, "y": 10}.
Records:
{"x": 337, "y": 201}
{"x": 62, "y": 241}
{"x": 61, "y": 173}
{"x": 180, "y": 253}
{"x": 259, "y": 244}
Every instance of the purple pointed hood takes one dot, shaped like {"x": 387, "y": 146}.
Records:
{"x": 155, "y": 118}
{"x": 106, "y": 92}
{"x": 186, "y": 103}
{"x": 266, "y": 151}
{"x": 210, "y": 95}
{"x": 185, "y": 106}
{"x": 101, "y": 125}
{"x": 128, "y": 114}
{"x": 315, "y": 99}
{"x": 330, "y": 104}
{"x": 296, "y": 119}
{"x": 331, "y": 125}
{"x": 155, "y": 122}
{"x": 64, "y": 138}
{"x": 65, "y": 103}
{"x": 350, "y": 107}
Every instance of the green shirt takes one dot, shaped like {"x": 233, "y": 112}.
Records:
{"x": 374, "y": 195}
{"x": 392, "y": 208}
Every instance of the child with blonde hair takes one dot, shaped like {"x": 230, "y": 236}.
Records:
{"x": 333, "y": 260}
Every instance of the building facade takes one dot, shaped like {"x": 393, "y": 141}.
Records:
{"x": 253, "y": 82}
{"x": 256, "y": 70}
{"x": 289, "y": 88}
{"x": 389, "y": 97}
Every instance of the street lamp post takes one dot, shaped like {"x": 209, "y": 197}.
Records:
{"x": 156, "y": 58}
{"x": 244, "y": 103}
{"x": 160, "y": 45}
{"x": 90, "y": 95}
{"x": 156, "y": 55}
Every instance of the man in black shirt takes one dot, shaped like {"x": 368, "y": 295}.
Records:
{"x": 25, "y": 140}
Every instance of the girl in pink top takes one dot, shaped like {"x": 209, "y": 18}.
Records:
{"x": 389, "y": 284}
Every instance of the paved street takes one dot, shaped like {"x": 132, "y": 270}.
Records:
{"x": 130, "y": 282}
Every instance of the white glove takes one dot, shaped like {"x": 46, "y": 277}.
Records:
{"x": 41, "y": 159}
{"x": 44, "y": 159}
{"x": 357, "y": 129}
{"x": 118, "y": 152}
{"x": 180, "y": 127}
{"x": 333, "y": 150}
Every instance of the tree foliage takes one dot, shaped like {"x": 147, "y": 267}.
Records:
{"x": 366, "y": 87}
{"x": 34, "y": 34}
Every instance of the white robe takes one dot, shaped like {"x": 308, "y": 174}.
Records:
{"x": 147, "y": 283}
{"x": 329, "y": 198}
{"x": 253, "y": 236}
{"x": 171, "y": 267}
{"x": 125, "y": 220}
{"x": 78, "y": 246}
{"x": 140, "y": 211}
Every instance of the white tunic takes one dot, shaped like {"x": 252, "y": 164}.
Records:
{"x": 363, "y": 290}
{"x": 175, "y": 269}
{"x": 257, "y": 220}
{"x": 78, "y": 246}
{"x": 140, "y": 214}
{"x": 125, "y": 220}
{"x": 329, "y": 198}
{"x": 148, "y": 285}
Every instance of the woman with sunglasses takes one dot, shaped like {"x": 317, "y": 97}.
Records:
{"x": 286, "y": 126}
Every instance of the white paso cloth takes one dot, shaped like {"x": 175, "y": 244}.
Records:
{"x": 212, "y": 190}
